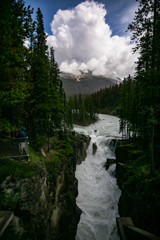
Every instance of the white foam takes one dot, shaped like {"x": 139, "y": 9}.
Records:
{"x": 98, "y": 191}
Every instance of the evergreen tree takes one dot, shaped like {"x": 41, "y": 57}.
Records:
{"x": 146, "y": 34}
{"x": 40, "y": 78}
{"x": 13, "y": 31}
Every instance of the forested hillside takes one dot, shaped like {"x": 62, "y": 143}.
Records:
{"x": 140, "y": 98}
{"x": 107, "y": 100}
{"x": 31, "y": 93}
{"x": 83, "y": 110}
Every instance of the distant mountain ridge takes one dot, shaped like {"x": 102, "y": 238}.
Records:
{"x": 85, "y": 83}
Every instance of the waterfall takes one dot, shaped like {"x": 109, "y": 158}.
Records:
{"x": 98, "y": 193}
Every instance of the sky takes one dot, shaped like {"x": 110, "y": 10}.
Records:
{"x": 90, "y": 35}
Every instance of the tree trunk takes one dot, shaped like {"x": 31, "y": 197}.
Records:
{"x": 151, "y": 150}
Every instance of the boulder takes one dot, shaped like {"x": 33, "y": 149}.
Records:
{"x": 109, "y": 162}
{"x": 94, "y": 148}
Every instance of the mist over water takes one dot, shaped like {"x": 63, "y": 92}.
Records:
{"x": 98, "y": 193}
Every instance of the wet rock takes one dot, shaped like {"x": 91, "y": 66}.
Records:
{"x": 94, "y": 148}
{"x": 73, "y": 133}
{"x": 85, "y": 138}
{"x": 109, "y": 162}
{"x": 81, "y": 147}
{"x": 121, "y": 174}
{"x": 112, "y": 144}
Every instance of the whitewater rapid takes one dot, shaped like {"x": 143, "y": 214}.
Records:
{"x": 98, "y": 193}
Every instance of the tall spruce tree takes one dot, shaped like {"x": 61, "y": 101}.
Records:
{"x": 13, "y": 86}
{"x": 55, "y": 82}
{"x": 40, "y": 78}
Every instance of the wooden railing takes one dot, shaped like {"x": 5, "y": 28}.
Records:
{"x": 9, "y": 148}
{"x": 5, "y": 219}
{"x": 128, "y": 231}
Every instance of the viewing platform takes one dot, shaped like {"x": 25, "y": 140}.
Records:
{"x": 9, "y": 148}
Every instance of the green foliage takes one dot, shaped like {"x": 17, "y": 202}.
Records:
{"x": 139, "y": 170}
{"x": 34, "y": 155}
{"x": 64, "y": 147}
{"x": 140, "y": 193}
{"x": 16, "y": 169}
{"x": 12, "y": 65}
{"x": 140, "y": 97}
{"x": 8, "y": 200}
{"x": 105, "y": 100}
{"x": 31, "y": 91}
{"x": 82, "y": 110}
{"x": 69, "y": 198}
{"x": 68, "y": 176}
{"x": 39, "y": 143}
{"x": 52, "y": 164}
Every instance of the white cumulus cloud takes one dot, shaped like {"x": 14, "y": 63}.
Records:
{"x": 82, "y": 41}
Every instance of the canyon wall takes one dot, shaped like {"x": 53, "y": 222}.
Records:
{"x": 46, "y": 207}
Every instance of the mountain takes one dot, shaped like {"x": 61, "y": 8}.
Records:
{"x": 85, "y": 83}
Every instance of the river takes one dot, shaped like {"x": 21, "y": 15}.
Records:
{"x": 98, "y": 193}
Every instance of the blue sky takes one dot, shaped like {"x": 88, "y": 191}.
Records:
{"x": 90, "y": 35}
{"x": 116, "y": 11}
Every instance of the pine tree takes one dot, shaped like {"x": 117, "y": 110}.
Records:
{"x": 41, "y": 90}
{"x": 13, "y": 31}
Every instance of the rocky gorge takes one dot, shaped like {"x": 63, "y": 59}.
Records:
{"x": 44, "y": 205}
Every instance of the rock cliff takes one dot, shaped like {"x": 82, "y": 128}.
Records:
{"x": 46, "y": 206}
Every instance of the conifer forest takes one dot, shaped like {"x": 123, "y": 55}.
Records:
{"x": 32, "y": 94}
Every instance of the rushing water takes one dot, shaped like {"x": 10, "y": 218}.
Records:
{"x": 98, "y": 193}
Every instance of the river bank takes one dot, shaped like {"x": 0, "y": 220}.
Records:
{"x": 110, "y": 110}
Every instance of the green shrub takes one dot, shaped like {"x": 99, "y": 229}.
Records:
{"x": 16, "y": 169}
{"x": 8, "y": 201}
{"x": 52, "y": 165}
{"x": 64, "y": 147}
{"x": 39, "y": 142}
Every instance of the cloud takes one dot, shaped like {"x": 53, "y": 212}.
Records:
{"x": 26, "y": 43}
{"x": 82, "y": 41}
